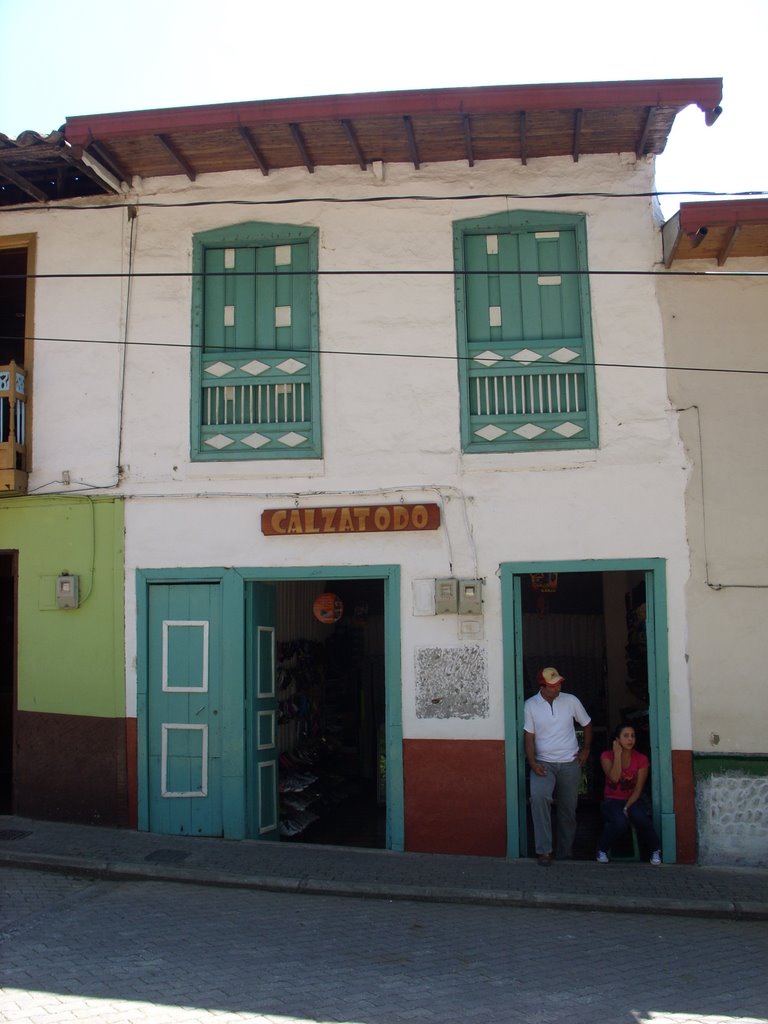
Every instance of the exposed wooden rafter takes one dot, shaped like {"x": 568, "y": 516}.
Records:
{"x": 107, "y": 158}
{"x": 413, "y": 149}
{"x": 253, "y": 149}
{"x": 172, "y": 151}
{"x": 523, "y": 137}
{"x": 466, "y": 125}
{"x": 728, "y": 244}
{"x": 640, "y": 147}
{"x": 84, "y": 164}
{"x": 21, "y": 182}
{"x": 671, "y": 236}
{"x": 578, "y": 121}
{"x": 349, "y": 131}
{"x": 301, "y": 145}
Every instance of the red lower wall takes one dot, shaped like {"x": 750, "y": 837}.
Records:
{"x": 132, "y": 766}
{"x": 684, "y": 797}
{"x": 455, "y": 797}
{"x": 70, "y": 768}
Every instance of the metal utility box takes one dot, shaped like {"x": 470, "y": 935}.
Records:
{"x": 470, "y": 597}
{"x": 67, "y": 591}
{"x": 446, "y": 596}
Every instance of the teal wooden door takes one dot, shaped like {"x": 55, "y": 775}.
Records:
{"x": 183, "y": 709}
{"x": 262, "y": 770}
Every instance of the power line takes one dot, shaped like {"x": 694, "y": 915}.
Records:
{"x": 391, "y": 355}
{"x": 296, "y": 200}
{"x": 204, "y": 274}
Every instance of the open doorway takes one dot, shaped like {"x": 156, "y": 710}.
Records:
{"x": 7, "y": 676}
{"x": 13, "y": 305}
{"x": 593, "y": 627}
{"x": 16, "y": 268}
{"x": 330, "y": 689}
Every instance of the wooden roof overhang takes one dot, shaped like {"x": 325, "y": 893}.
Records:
{"x": 44, "y": 169}
{"x": 718, "y": 231}
{"x": 418, "y": 127}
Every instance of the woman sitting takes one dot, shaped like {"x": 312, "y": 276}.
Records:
{"x": 626, "y": 772}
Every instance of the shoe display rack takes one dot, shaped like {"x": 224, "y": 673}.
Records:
{"x": 310, "y": 781}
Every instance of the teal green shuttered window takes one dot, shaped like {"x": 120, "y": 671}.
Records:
{"x": 255, "y": 368}
{"x": 524, "y": 327}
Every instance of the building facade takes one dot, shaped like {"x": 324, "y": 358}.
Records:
{"x": 715, "y": 308}
{"x": 361, "y": 376}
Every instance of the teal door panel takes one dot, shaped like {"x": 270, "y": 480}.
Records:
{"x": 262, "y": 770}
{"x": 183, "y": 706}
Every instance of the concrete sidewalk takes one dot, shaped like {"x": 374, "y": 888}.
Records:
{"x": 723, "y": 892}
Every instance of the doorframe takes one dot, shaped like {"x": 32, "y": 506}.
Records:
{"x": 233, "y": 583}
{"x": 658, "y": 690}
{"x": 11, "y": 558}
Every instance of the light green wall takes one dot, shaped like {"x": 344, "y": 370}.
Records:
{"x": 69, "y": 661}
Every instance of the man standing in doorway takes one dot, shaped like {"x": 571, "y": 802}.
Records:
{"x": 552, "y": 751}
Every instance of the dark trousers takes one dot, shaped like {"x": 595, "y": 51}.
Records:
{"x": 617, "y": 823}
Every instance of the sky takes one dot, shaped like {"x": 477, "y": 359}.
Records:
{"x": 58, "y": 60}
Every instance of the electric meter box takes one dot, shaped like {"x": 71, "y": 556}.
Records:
{"x": 470, "y": 597}
{"x": 67, "y": 591}
{"x": 446, "y": 596}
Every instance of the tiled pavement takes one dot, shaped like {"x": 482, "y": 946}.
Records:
{"x": 75, "y": 949}
{"x": 718, "y": 892}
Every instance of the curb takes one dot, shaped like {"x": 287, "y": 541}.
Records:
{"x": 753, "y": 910}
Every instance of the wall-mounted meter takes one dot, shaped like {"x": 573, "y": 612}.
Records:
{"x": 446, "y": 596}
{"x": 470, "y": 597}
{"x": 67, "y": 591}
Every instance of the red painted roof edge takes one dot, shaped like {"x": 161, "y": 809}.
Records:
{"x": 694, "y": 216}
{"x": 706, "y": 93}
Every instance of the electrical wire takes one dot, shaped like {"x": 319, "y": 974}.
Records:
{"x": 291, "y": 201}
{"x": 453, "y": 358}
{"x": 401, "y": 272}
{"x": 133, "y": 221}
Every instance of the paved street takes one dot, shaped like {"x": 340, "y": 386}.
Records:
{"x": 124, "y": 952}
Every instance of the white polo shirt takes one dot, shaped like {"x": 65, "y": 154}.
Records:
{"x": 552, "y": 726}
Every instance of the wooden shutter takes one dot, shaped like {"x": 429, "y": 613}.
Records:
{"x": 524, "y": 319}
{"x": 255, "y": 362}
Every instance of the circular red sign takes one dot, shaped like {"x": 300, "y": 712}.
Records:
{"x": 328, "y": 608}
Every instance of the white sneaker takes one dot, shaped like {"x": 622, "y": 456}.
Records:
{"x": 602, "y": 857}
{"x": 656, "y": 857}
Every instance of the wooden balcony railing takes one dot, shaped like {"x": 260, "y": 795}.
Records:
{"x": 13, "y": 429}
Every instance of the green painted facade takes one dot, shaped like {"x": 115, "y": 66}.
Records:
{"x": 69, "y": 661}
{"x": 705, "y": 765}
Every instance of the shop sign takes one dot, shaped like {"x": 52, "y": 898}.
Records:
{"x": 281, "y": 522}
{"x": 328, "y": 608}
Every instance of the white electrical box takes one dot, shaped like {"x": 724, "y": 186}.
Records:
{"x": 470, "y": 597}
{"x": 67, "y": 591}
{"x": 446, "y": 596}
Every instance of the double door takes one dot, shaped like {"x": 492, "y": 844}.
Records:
{"x": 210, "y": 711}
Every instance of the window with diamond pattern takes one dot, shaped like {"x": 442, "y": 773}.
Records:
{"x": 524, "y": 332}
{"x": 255, "y": 369}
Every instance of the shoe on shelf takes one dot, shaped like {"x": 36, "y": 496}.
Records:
{"x": 656, "y": 857}
{"x": 602, "y": 857}
{"x": 544, "y": 860}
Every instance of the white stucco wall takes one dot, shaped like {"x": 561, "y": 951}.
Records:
{"x": 390, "y": 423}
{"x": 720, "y": 322}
